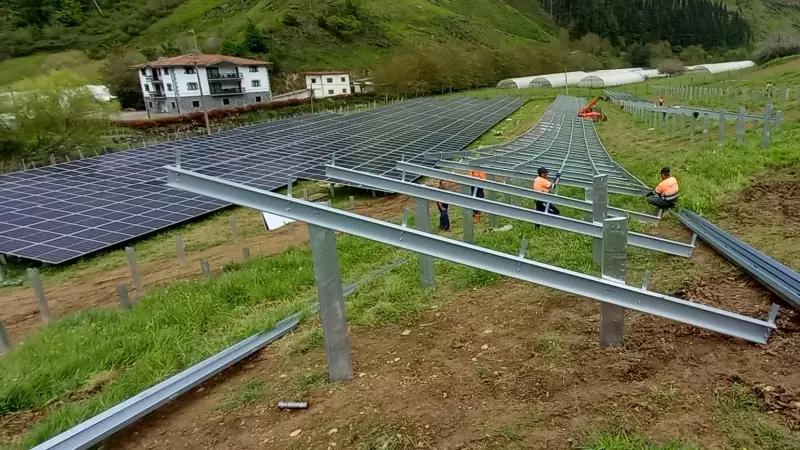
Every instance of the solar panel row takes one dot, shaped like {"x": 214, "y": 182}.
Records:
{"x": 57, "y": 213}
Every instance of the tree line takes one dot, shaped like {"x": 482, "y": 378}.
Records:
{"x": 707, "y": 23}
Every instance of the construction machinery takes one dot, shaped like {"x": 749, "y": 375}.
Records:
{"x": 592, "y": 111}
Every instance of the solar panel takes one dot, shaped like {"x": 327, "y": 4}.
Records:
{"x": 58, "y": 213}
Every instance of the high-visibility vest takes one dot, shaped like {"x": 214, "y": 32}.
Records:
{"x": 477, "y": 174}
{"x": 542, "y": 184}
{"x": 668, "y": 189}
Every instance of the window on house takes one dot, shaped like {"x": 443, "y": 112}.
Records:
{"x": 147, "y": 88}
{"x": 173, "y": 105}
{"x": 253, "y": 69}
{"x": 313, "y": 80}
{"x": 188, "y": 70}
{"x": 144, "y": 72}
{"x": 165, "y": 70}
{"x": 330, "y": 91}
{"x": 226, "y": 101}
{"x": 156, "y": 71}
{"x": 343, "y": 80}
{"x": 169, "y": 87}
{"x": 256, "y": 83}
{"x": 258, "y": 99}
{"x": 191, "y": 86}
{"x": 344, "y": 91}
{"x": 330, "y": 80}
{"x": 195, "y": 103}
{"x": 150, "y": 104}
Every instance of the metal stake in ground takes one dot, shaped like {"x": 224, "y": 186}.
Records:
{"x": 740, "y": 127}
{"x": 692, "y": 126}
{"x": 137, "y": 278}
{"x": 180, "y": 251}
{"x": 234, "y": 229}
{"x": 246, "y": 254}
{"x": 36, "y": 283}
{"x": 705, "y": 126}
{"x": 778, "y": 120}
{"x": 599, "y": 211}
{"x": 206, "y": 268}
{"x": 124, "y": 298}
{"x": 721, "y": 130}
{"x": 615, "y": 266}
{"x": 331, "y": 302}
{"x": 492, "y": 195}
{"x": 5, "y": 342}
{"x": 466, "y": 213}
{"x": 422, "y": 220}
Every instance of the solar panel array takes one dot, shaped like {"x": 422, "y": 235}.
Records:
{"x": 58, "y": 213}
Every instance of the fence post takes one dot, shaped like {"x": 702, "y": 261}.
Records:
{"x": 331, "y": 302}
{"x": 740, "y": 127}
{"x": 234, "y": 229}
{"x": 180, "y": 250}
{"x": 246, "y": 254}
{"x": 599, "y": 209}
{"x": 615, "y": 266}
{"x": 721, "y": 130}
{"x": 36, "y": 283}
{"x": 5, "y": 342}
{"x": 137, "y": 278}
{"x": 422, "y": 220}
{"x": 466, "y": 213}
{"x": 124, "y": 298}
{"x": 692, "y": 126}
{"x": 705, "y": 126}
{"x": 682, "y": 119}
{"x": 778, "y": 120}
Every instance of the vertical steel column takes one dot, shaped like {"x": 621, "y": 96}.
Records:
{"x": 180, "y": 250}
{"x": 137, "y": 278}
{"x": 767, "y": 129}
{"x": 36, "y": 283}
{"x": 466, "y": 213}
{"x": 5, "y": 342}
{"x": 599, "y": 210}
{"x": 778, "y": 120}
{"x": 587, "y": 195}
{"x": 740, "y": 127}
{"x": 721, "y": 130}
{"x": 234, "y": 229}
{"x": 124, "y": 298}
{"x": 331, "y": 302}
{"x": 705, "y": 126}
{"x": 422, "y": 220}
{"x": 615, "y": 266}
{"x": 692, "y": 126}
{"x": 492, "y": 195}
{"x": 682, "y": 119}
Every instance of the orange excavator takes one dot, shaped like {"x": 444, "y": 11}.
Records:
{"x": 592, "y": 111}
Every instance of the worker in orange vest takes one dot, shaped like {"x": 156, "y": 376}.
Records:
{"x": 477, "y": 192}
{"x": 666, "y": 193}
{"x": 661, "y": 101}
{"x": 542, "y": 184}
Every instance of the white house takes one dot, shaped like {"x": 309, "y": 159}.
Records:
{"x": 191, "y": 82}
{"x": 328, "y": 84}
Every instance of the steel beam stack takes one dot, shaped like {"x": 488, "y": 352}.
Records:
{"x": 781, "y": 280}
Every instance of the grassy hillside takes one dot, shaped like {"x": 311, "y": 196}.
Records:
{"x": 767, "y": 16}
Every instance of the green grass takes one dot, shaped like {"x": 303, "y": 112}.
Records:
{"x": 18, "y": 69}
{"x": 623, "y": 440}
{"x": 248, "y": 393}
{"x": 736, "y": 411}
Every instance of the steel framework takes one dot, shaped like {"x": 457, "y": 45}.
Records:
{"x": 603, "y": 290}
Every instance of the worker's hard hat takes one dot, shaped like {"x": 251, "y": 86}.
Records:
{"x": 542, "y": 170}
{"x": 665, "y": 170}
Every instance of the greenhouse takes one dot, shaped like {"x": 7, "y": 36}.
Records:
{"x": 515, "y": 83}
{"x": 610, "y": 79}
{"x": 720, "y": 67}
{"x": 557, "y": 79}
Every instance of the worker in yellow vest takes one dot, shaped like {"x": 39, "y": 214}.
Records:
{"x": 666, "y": 193}
{"x": 477, "y": 192}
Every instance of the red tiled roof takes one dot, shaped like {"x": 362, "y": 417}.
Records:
{"x": 203, "y": 60}
{"x": 327, "y": 72}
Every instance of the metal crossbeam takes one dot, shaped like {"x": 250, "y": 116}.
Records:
{"x": 530, "y": 176}
{"x": 593, "y": 229}
{"x": 634, "y": 298}
{"x": 559, "y": 200}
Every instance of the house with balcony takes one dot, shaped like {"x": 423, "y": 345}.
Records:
{"x": 194, "y": 82}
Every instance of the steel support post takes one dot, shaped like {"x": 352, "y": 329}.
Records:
{"x": 692, "y": 126}
{"x": 491, "y": 195}
{"x": 705, "y": 126}
{"x": 466, "y": 213}
{"x": 587, "y": 195}
{"x": 778, "y": 120}
{"x": 331, "y": 302}
{"x": 615, "y": 267}
{"x": 740, "y": 127}
{"x": 234, "y": 228}
{"x": 36, "y": 283}
{"x": 180, "y": 250}
{"x": 137, "y": 277}
{"x": 5, "y": 342}
{"x": 124, "y": 298}
{"x": 422, "y": 220}
{"x": 721, "y": 130}
{"x": 682, "y": 126}
{"x": 599, "y": 211}
{"x": 765, "y": 134}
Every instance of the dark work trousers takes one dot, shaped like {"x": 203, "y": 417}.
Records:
{"x": 480, "y": 194}
{"x": 550, "y": 210}
{"x": 660, "y": 203}
{"x": 444, "y": 216}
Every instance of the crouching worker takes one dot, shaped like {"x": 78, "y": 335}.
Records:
{"x": 542, "y": 184}
{"x": 444, "y": 212}
{"x": 665, "y": 194}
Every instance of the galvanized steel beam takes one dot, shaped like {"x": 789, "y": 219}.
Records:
{"x": 634, "y": 298}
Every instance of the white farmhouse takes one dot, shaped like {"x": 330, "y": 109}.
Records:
{"x": 192, "y": 82}
{"x": 328, "y": 84}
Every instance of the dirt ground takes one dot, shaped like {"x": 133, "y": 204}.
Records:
{"x": 510, "y": 366}
{"x": 20, "y": 314}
